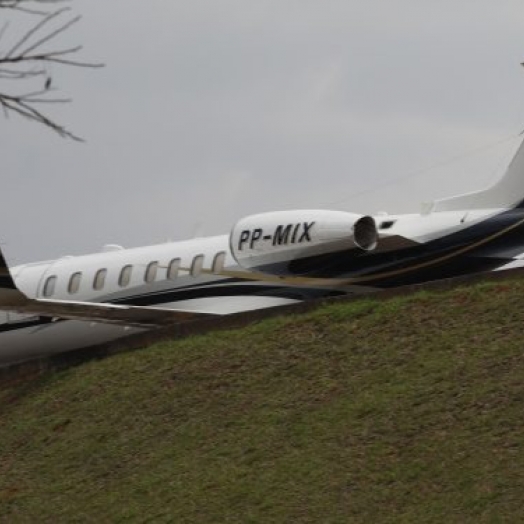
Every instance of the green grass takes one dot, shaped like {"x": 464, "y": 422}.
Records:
{"x": 405, "y": 410}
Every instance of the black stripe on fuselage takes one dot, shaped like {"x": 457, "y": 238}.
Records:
{"x": 192, "y": 292}
{"x": 480, "y": 247}
{"x": 226, "y": 290}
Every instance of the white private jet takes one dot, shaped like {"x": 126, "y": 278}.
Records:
{"x": 268, "y": 259}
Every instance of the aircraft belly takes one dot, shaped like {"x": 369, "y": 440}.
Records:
{"x": 41, "y": 337}
{"x": 25, "y": 343}
{"x": 229, "y": 305}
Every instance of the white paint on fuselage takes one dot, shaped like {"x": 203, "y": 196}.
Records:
{"x": 30, "y": 278}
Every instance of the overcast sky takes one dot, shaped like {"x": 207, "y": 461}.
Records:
{"x": 210, "y": 110}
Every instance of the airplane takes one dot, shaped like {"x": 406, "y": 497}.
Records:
{"x": 267, "y": 259}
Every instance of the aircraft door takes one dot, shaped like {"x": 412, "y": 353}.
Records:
{"x": 27, "y": 278}
{"x": 49, "y": 270}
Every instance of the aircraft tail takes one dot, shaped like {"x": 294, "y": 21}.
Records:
{"x": 506, "y": 193}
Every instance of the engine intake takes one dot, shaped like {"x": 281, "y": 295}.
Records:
{"x": 365, "y": 233}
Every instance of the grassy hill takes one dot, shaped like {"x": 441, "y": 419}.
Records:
{"x": 404, "y": 410}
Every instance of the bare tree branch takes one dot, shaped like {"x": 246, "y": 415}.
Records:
{"x": 26, "y": 59}
{"x": 35, "y": 29}
{"x": 19, "y": 5}
{"x": 24, "y": 109}
{"x": 8, "y": 74}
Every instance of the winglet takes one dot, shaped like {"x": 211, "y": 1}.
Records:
{"x": 10, "y": 295}
{"x": 6, "y": 280}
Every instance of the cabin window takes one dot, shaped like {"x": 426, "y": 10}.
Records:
{"x": 172, "y": 269}
{"x": 197, "y": 265}
{"x": 151, "y": 271}
{"x": 218, "y": 262}
{"x": 125, "y": 276}
{"x": 49, "y": 286}
{"x": 100, "y": 279}
{"x": 74, "y": 283}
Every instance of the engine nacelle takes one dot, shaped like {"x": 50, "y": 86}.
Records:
{"x": 269, "y": 241}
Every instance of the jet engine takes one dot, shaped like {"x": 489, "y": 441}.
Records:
{"x": 270, "y": 242}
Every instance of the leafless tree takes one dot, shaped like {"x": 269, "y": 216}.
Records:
{"x": 26, "y": 60}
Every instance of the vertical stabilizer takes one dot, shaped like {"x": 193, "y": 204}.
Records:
{"x": 506, "y": 193}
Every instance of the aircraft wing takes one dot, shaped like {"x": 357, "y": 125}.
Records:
{"x": 100, "y": 312}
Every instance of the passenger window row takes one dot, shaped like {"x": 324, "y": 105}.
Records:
{"x": 126, "y": 273}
